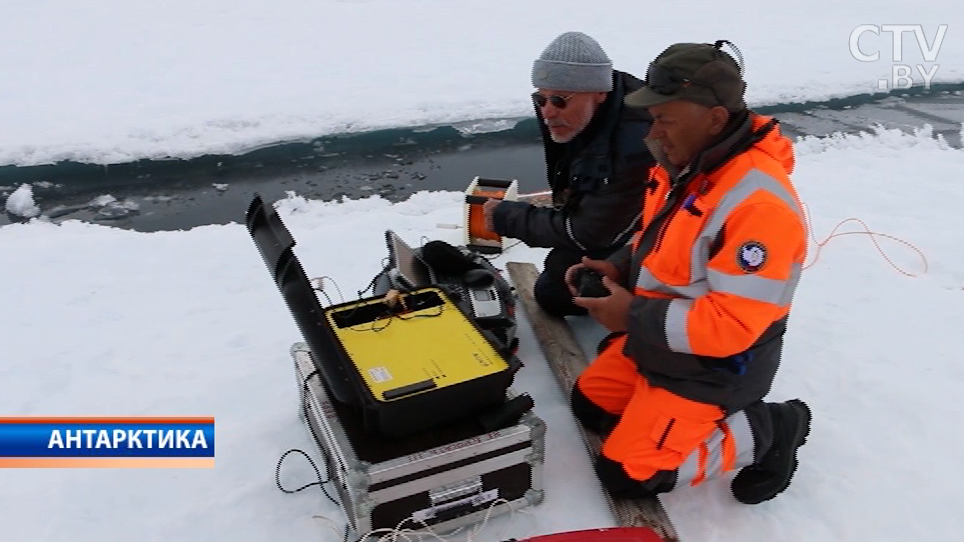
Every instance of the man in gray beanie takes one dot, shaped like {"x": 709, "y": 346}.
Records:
{"x": 596, "y": 164}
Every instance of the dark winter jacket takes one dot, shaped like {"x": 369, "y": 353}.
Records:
{"x": 596, "y": 180}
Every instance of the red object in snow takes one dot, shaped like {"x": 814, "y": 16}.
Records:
{"x": 614, "y": 534}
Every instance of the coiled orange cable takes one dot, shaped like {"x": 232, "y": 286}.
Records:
{"x": 867, "y": 231}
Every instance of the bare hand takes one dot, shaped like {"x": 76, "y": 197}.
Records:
{"x": 603, "y": 267}
{"x": 611, "y": 311}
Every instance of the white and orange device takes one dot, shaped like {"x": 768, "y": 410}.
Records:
{"x": 477, "y": 236}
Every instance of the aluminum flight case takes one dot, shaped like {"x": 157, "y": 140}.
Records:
{"x": 443, "y": 479}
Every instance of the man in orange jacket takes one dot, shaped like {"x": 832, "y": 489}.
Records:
{"x": 698, "y": 301}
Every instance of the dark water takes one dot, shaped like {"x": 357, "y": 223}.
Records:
{"x": 181, "y": 194}
{"x": 167, "y": 203}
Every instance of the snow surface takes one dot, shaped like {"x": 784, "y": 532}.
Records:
{"x": 105, "y": 321}
{"x": 114, "y": 80}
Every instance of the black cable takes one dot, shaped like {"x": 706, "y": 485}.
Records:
{"x": 320, "y": 287}
{"x": 328, "y": 299}
{"x": 341, "y": 296}
{"x": 389, "y": 315}
{"x": 512, "y": 245}
{"x": 499, "y": 255}
{"x": 385, "y": 267}
{"x": 277, "y": 474}
{"x": 320, "y": 483}
{"x": 324, "y": 454}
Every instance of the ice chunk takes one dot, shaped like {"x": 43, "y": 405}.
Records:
{"x": 21, "y": 202}
{"x": 117, "y": 209}
{"x": 102, "y": 201}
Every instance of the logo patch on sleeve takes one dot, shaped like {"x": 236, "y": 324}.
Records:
{"x": 751, "y": 256}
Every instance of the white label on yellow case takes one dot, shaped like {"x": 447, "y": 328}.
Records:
{"x": 380, "y": 374}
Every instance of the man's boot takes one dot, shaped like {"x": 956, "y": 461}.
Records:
{"x": 771, "y": 475}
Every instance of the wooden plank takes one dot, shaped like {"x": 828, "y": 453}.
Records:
{"x": 567, "y": 361}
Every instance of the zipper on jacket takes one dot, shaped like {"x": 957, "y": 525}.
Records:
{"x": 652, "y": 234}
{"x": 665, "y": 225}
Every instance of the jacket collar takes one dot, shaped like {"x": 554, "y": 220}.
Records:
{"x": 735, "y": 139}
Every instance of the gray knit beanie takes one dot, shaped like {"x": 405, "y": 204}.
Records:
{"x": 573, "y": 62}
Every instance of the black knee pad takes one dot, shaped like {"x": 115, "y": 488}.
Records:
{"x": 552, "y": 295}
{"x": 589, "y": 414}
{"x": 560, "y": 259}
{"x": 614, "y": 479}
{"x": 550, "y": 289}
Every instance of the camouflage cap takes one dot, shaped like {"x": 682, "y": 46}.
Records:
{"x": 695, "y": 72}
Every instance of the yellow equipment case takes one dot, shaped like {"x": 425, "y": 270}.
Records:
{"x": 408, "y": 363}
{"x": 419, "y": 360}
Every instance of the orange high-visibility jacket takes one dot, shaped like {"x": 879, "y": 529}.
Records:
{"x": 715, "y": 267}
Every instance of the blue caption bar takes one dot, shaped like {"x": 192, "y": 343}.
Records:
{"x": 107, "y": 440}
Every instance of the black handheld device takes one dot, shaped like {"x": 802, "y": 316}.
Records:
{"x": 589, "y": 283}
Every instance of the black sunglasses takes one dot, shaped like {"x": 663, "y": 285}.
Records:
{"x": 556, "y": 100}
{"x": 666, "y": 83}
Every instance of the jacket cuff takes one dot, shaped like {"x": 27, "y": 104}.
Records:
{"x": 646, "y": 323}
{"x": 502, "y": 213}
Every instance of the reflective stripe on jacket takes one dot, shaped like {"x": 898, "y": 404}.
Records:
{"x": 715, "y": 269}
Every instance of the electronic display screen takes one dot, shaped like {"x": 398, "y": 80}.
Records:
{"x": 411, "y": 268}
{"x": 483, "y": 295}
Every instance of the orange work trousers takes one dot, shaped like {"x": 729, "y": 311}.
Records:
{"x": 657, "y": 429}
